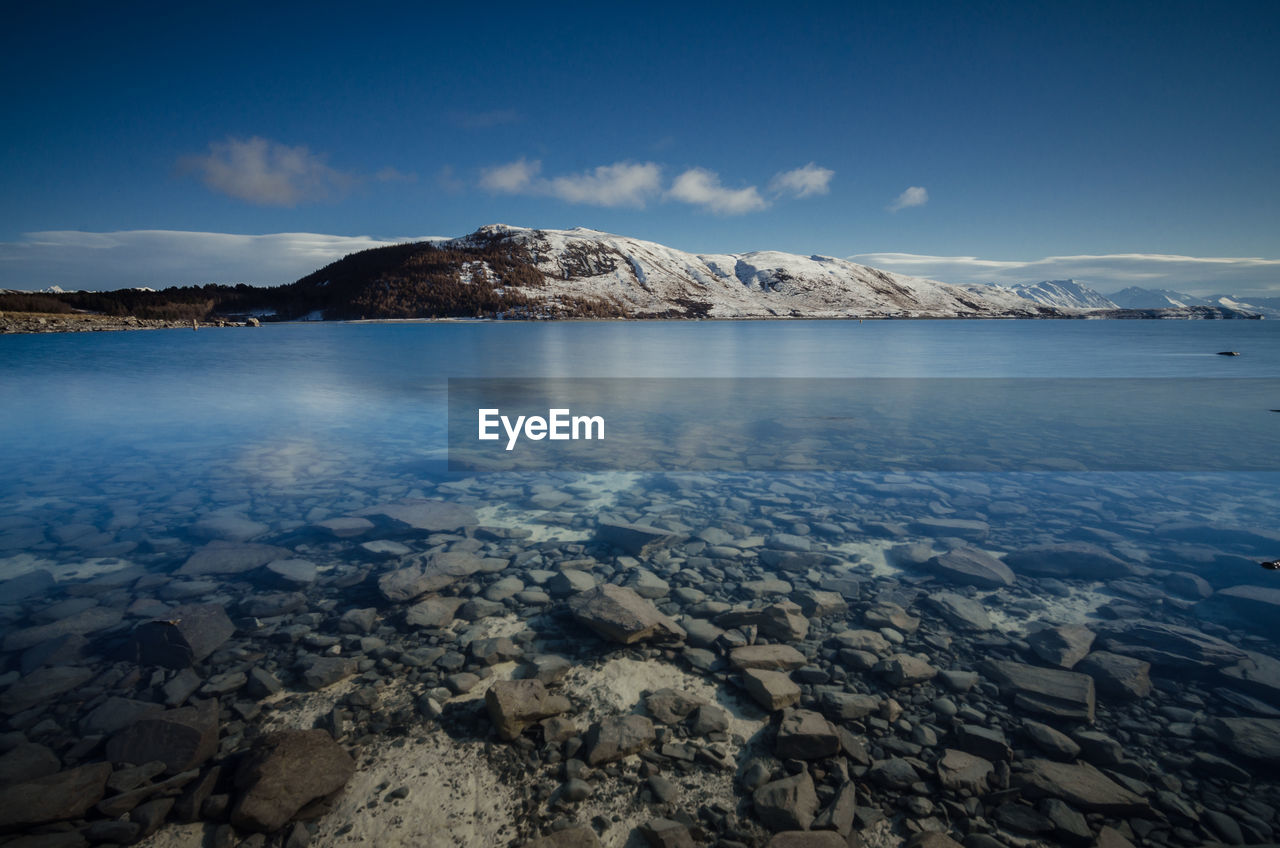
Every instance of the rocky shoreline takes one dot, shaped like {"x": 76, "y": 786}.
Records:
{"x": 704, "y": 661}
{"x": 18, "y": 322}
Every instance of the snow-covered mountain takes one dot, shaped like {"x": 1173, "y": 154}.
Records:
{"x": 1140, "y": 298}
{"x": 1068, "y": 295}
{"x": 642, "y": 278}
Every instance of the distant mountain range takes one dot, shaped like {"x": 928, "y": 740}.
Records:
{"x": 513, "y": 272}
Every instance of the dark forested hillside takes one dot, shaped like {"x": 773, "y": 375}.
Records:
{"x": 487, "y": 277}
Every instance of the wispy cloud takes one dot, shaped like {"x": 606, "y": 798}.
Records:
{"x": 268, "y": 173}
{"x": 701, "y": 187}
{"x": 160, "y": 258}
{"x": 395, "y": 175}
{"x": 913, "y": 196}
{"x": 805, "y": 181}
{"x": 1107, "y": 273}
{"x": 619, "y": 184}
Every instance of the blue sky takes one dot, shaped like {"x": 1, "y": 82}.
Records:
{"x": 973, "y": 134}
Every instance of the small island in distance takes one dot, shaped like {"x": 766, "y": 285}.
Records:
{"x": 514, "y": 273}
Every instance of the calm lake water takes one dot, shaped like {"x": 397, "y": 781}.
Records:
{"x": 126, "y": 457}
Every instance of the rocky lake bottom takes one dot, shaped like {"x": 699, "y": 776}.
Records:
{"x": 814, "y": 659}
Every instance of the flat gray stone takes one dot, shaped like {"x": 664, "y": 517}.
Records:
{"x": 971, "y": 567}
{"x": 1047, "y": 691}
{"x": 620, "y": 615}
{"x": 222, "y": 557}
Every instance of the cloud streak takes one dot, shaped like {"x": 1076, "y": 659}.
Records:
{"x": 1107, "y": 273}
{"x": 807, "y": 181}
{"x": 160, "y": 258}
{"x": 267, "y": 173}
{"x": 700, "y": 187}
{"x": 913, "y": 196}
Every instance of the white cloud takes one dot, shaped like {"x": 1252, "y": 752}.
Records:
{"x": 701, "y": 187}
{"x": 1108, "y": 273}
{"x": 512, "y": 178}
{"x": 160, "y": 258}
{"x": 266, "y": 172}
{"x": 913, "y": 196}
{"x": 807, "y": 181}
{"x": 619, "y": 184}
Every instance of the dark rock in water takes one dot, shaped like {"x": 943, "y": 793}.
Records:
{"x": 61, "y": 650}
{"x": 986, "y": 742}
{"x": 1257, "y": 674}
{"x": 820, "y": 604}
{"x": 1061, "y": 694}
{"x": 27, "y": 761}
{"x": 326, "y": 671}
{"x": 946, "y": 527}
{"x": 1259, "y": 605}
{"x": 423, "y": 515}
{"x": 1074, "y": 560}
{"x": 960, "y": 612}
{"x": 272, "y": 605}
{"x": 787, "y": 804}
{"x": 221, "y": 557}
{"x": 292, "y": 572}
{"x": 182, "y": 739}
{"x": 782, "y": 621}
{"x": 806, "y": 735}
{"x": 432, "y": 612}
{"x": 772, "y": 690}
{"x": 1082, "y": 786}
{"x": 1188, "y": 585}
{"x": 808, "y": 839}
{"x": 615, "y": 738}
{"x": 1062, "y": 646}
{"x": 56, "y": 797}
{"x": 495, "y": 650}
{"x": 1169, "y": 646}
{"x": 849, "y": 706}
{"x": 959, "y": 771}
{"x": 1053, "y": 742}
{"x": 186, "y": 636}
{"x": 231, "y": 528}
{"x": 116, "y": 714}
{"x": 571, "y": 837}
{"x": 709, "y": 719}
{"x": 905, "y": 670}
{"x": 360, "y": 620}
{"x": 1109, "y": 837}
{"x": 287, "y": 771}
{"x": 515, "y": 704}
{"x": 933, "y": 839}
{"x": 345, "y": 527}
{"x": 893, "y": 773}
{"x": 793, "y": 561}
{"x": 839, "y": 814}
{"x": 971, "y": 567}
{"x": 889, "y": 614}
{"x": 1255, "y": 738}
{"x": 89, "y": 621}
{"x": 42, "y": 686}
{"x": 619, "y": 614}
{"x": 665, "y": 833}
{"x": 771, "y": 657}
{"x": 429, "y": 573}
{"x": 670, "y": 706}
{"x": 638, "y": 540}
{"x": 1116, "y": 675}
{"x": 1069, "y": 826}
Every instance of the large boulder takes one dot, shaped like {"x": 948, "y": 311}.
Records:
{"x": 620, "y": 615}
{"x": 515, "y": 704}
{"x": 1071, "y": 560}
{"x": 184, "y": 637}
{"x": 772, "y": 690}
{"x": 1080, "y": 785}
{"x": 806, "y": 735}
{"x": 56, "y": 797}
{"x": 905, "y": 670}
{"x": 1169, "y": 646}
{"x": 960, "y": 612}
{"x": 1255, "y": 738}
{"x": 783, "y": 621}
{"x": 41, "y": 687}
{"x": 1047, "y": 691}
{"x": 1257, "y": 675}
{"x": 959, "y": 771}
{"x": 423, "y": 515}
{"x": 787, "y": 804}
{"x": 428, "y": 573}
{"x": 284, "y": 773}
{"x": 618, "y": 737}
{"x": 1117, "y": 676}
{"x": 182, "y": 739}
{"x": 1062, "y": 646}
{"x": 222, "y": 557}
{"x": 971, "y": 567}
{"x": 638, "y": 540}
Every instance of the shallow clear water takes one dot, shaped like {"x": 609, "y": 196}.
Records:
{"x": 139, "y": 447}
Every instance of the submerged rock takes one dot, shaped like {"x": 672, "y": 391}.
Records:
{"x": 806, "y": 735}
{"x": 221, "y": 557}
{"x": 184, "y": 637}
{"x": 424, "y": 515}
{"x": 287, "y": 771}
{"x": 182, "y": 739}
{"x": 1072, "y": 560}
{"x": 615, "y": 738}
{"x": 1255, "y": 738}
{"x": 620, "y": 615}
{"x": 1062, "y": 646}
{"x": 42, "y": 686}
{"x": 772, "y": 690}
{"x": 1169, "y": 646}
{"x": 429, "y": 573}
{"x": 513, "y": 705}
{"x": 1081, "y": 786}
{"x": 1052, "y": 692}
{"x": 638, "y": 540}
{"x": 782, "y": 621}
{"x": 1117, "y": 676}
{"x": 787, "y": 804}
{"x": 771, "y": 657}
{"x": 960, "y": 612}
{"x": 56, "y": 797}
{"x": 971, "y": 567}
